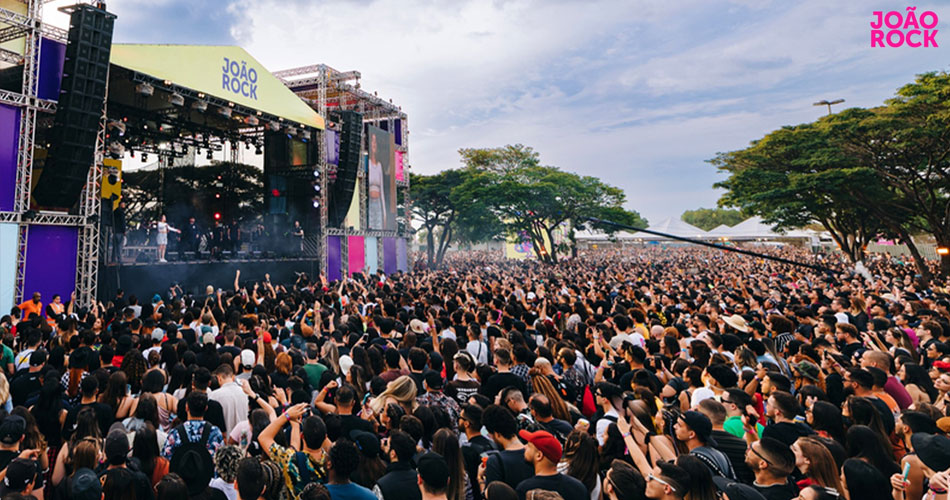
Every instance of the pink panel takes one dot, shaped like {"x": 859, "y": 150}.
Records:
{"x": 356, "y": 252}
{"x": 400, "y": 172}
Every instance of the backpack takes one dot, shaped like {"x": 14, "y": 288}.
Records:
{"x": 190, "y": 453}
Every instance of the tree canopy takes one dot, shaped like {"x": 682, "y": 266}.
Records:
{"x": 709, "y": 218}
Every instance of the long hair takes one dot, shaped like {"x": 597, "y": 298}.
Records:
{"x": 403, "y": 390}
{"x": 145, "y": 448}
{"x": 701, "y": 486}
{"x": 32, "y": 437}
{"x": 863, "y": 412}
{"x": 827, "y": 417}
{"x": 134, "y": 366}
{"x": 822, "y": 468}
{"x": 446, "y": 443}
{"x": 541, "y": 384}
{"x": 115, "y": 390}
{"x": 870, "y": 446}
{"x": 75, "y": 376}
{"x": 119, "y": 484}
{"x": 48, "y": 408}
{"x": 864, "y": 481}
{"x": 583, "y": 462}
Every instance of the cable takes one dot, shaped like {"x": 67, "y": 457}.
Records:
{"x": 718, "y": 247}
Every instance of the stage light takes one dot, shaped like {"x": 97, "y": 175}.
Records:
{"x": 252, "y": 121}
{"x": 217, "y": 195}
{"x": 200, "y": 106}
{"x": 316, "y": 173}
{"x": 943, "y": 251}
{"x": 144, "y": 89}
{"x": 316, "y": 203}
{"x": 176, "y": 99}
{"x": 225, "y": 112}
{"x": 217, "y": 216}
{"x": 144, "y": 157}
{"x": 118, "y": 126}
{"x": 210, "y": 155}
{"x": 291, "y": 131}
{"x": 273, "y": 126}
{"x": 316, "y": 187}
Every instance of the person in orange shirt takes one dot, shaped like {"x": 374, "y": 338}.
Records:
{"x": 32, "y": 306}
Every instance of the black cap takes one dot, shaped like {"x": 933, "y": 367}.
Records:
{"x": 20, "y": 473}
{"x": 12, "y": 429}
{"x": 85, "y": 485}
{"x": 367, "y": 443}
{"x": 434, "y": 380}
{"x": 117, "y": 447}
{"x": 38, "y": 357}
{"x": 608, "y": 390}
{"x": 433, "y": 470}
{"x": 698, "y": 423}
{"x": 932, "y": 449}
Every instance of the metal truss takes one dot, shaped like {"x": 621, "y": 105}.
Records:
{"x": 23, "y": 236}
{"x": 21, "y": 24}
{"x": 17, "y": 99}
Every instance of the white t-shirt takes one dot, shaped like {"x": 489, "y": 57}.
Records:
{"x": 478, "y": 350}
{"x": 699, "y": 395}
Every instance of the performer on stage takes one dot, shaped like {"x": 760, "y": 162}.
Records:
{"x": 162, "y": 237}
{"x": 190, "y": 238}
{"x": 298, "y": 234}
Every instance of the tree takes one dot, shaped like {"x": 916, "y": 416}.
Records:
{"x": 525, "y": 197}
{"x": 432, "y": 205}
{"x": 794, "y": 176}
{"x": 234, "y": 190}
{"x": 709, "y": 218}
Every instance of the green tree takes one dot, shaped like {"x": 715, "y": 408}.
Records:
{"x": 432, "y": 204}
{"x": 709, "y": 218}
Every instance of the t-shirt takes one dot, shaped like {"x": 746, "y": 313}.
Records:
{"x": 314, "y": 373}
{"x": 499, "y": 381}
{"x": 568, "y": 487}
{"x": 104, "y": 415}
{"x": 461, "y": 390}
{"x": 508, "y": 466}
{"x": 733, "y": 425}
{"x": 349, "y": 491}
{"x": 895, "y": 389}
{"x": 785, "y": 491}
{"x": 734, "y": 449}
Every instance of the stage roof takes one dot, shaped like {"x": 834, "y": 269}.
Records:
{"x": 201, "y": 68}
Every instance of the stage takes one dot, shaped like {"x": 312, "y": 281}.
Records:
{"x": 146, "y": 279}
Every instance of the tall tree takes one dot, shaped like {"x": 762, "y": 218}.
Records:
{"x": 709, "y": 218}
{"x": 432, "y": 205}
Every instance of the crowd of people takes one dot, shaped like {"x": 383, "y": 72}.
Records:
{"x": 660, "y": 373}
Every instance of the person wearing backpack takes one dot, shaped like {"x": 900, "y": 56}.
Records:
{"x": 195, "y": 433}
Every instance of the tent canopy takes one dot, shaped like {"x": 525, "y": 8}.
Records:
{"x": 669, "y": 225}
{"x": 225, "y": 72}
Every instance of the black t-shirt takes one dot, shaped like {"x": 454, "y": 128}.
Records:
{"x": 7, "y": 456}
{"x": 734, "y": 449}
{"x": 24, "y": 385}
{"x": 351, "y": 422}
{"x": 499, "y": 381}
{"x": 214, "y": 414}
{"x": 568, "y": 487}
{"x": 461, "y": 390}
{"x": 419, "y": 378}
{"x": 508, "y": 466}
{"x": 785, "y": 491}
{"x": 104, "y": 415}
{"x": 787, "y": 432}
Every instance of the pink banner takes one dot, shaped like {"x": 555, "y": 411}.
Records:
{"x": 356, "y": 253}
{"x": 400, "y": 173}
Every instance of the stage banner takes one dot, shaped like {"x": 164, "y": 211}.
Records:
{"x": 334, "y": 258}
{"x": 52, "y": 55}
{"x": 8, "y": 248}
{"x": 382, "y": 179}
{"x": 333, "y": 147}
{"x": 356, "y": 254}
{"x": 402, "y": 255}
{"x": 352, "y": 219}
{"x": 372, "y": 255}
{"x": 389, "y": 255}
{"x": 51, "y": 261}
{"x": 400, "y": 169}
{"x": 9, "y": 141}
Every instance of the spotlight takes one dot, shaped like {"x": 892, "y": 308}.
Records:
{"x": 176, "y": 99}
{"x": 144, "y": 89}
{"x": 200, "y": 106}
{"x": 316, "y": 173}
{"x": 273, "y": 126}
{"x": 316, "y": 187}
{"x": 225, "y": 112}
{"x": 316, "y": 203}
{"x": 217, "y": 216}
{"x": 118, "y": 126}
{"x": 943, "y": 251}
{"x": 252, "y": 121}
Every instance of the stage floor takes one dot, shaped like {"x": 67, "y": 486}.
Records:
{"x": 148, "y": 278}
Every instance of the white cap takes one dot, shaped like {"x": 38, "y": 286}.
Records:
{"x": 208, "y": 338}
{"x": 247, "y": 357}
{"x": 346, "y": 363}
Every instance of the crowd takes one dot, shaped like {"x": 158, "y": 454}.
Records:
{"x": 673, "y": 374}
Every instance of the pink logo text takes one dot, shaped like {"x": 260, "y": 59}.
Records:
{"x": 896, "y": 29}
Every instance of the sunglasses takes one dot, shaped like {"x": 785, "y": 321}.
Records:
{"x": 651, "y": 477}
{"x": 760, "y": 455}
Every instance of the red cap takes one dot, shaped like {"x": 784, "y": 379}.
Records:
{"x": 545, "y": 442}
{"x": 266, "y": 337}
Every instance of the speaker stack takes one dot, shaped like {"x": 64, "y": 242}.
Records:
{"x": 81, "y": 97}
{"x": 341, "y": 190}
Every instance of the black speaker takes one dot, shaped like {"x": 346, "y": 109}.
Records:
{"x": 341, "y": 190}
{"x": 81, "y": 95}
{"x": 288, "y": 180}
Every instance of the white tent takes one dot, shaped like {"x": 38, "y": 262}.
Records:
{"x": 719, "y": 230}
{"x": 754, "y": 229}
{"x": 669, "y": 225}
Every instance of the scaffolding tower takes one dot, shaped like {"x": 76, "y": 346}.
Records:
{"x": 327, "y": 89}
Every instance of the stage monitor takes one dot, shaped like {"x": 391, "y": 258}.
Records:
{"x": 381, "y": 177}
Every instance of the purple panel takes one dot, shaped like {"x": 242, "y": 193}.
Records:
{"x": 52, "y": 55}
{"x": 389, "y": 255}
{"x": 333, "y": 147}
{"x": 9, "y": 138}
{"x": 51, "y": 261}
{"x": 402, "y": 256}
{"x": 334, "y": 260}
{"x": 398, "y": 132}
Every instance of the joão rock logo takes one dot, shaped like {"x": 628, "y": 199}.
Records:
{"x": 896, "y": 28}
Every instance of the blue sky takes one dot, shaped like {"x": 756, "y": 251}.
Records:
{"x": 639, "y": 93}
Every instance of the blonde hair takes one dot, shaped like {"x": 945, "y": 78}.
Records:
{"x": 4, "y": 388}
{"x": 402, "y": 390}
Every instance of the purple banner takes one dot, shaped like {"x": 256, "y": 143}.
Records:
{"x": 52, "y": 55}
{"x": 398, "y": 131}
{"x": 51, "y": 261}
{"x": 402, "y": 256}
{"x": 334, "y": 259}
{"x": 333, "y": 147}
{"x": 389, "y": 255}
{"x": 9, "y": 139}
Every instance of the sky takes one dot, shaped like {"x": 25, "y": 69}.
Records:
{"x": 639, "y": 93}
